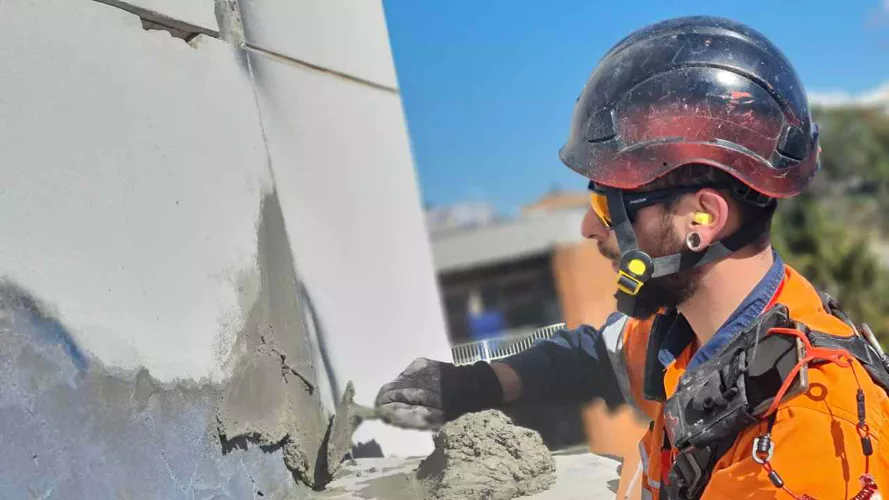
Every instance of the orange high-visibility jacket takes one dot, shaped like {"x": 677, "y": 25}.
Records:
{"x": 818, "y": 451}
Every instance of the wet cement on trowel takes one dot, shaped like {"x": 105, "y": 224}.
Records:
{"x": 478, "y": 456}
{"x": 272, "y": 399}
{"x": 347, "y": 418}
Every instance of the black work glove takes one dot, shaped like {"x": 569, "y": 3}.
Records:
{"x": 429, "y": 393}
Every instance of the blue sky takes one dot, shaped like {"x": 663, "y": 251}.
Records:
{"x": 488, "y": 85}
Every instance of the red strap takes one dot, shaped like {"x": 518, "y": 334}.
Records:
{"x": 839, "y": 356}
{"x": 666, "y": 464}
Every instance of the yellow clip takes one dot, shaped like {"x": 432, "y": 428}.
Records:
{"x": 628, "y": 284}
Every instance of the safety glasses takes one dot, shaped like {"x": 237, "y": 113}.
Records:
{"x": 636, "y": 201}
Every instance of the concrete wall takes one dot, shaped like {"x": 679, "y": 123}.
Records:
{"x": 181, "y": 220}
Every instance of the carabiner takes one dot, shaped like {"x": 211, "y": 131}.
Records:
{"x": 763, "y": 445}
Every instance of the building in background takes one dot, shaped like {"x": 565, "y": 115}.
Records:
{"x": 523, "y": 273}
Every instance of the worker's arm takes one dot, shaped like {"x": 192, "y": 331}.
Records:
{"x": 571, "y": 367}
{"x": 510, "y": 381}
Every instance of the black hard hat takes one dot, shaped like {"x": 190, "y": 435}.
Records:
{"x": 694, "y": 90}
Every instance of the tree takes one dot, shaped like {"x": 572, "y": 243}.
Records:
{"x": 855, "y": 145}
{"x": 836, "y": 258}
{"x": 828, "y": 234}
{"x": 855, "y": 164}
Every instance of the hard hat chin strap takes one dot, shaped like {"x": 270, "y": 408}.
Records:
{"x": 637, "y": 267}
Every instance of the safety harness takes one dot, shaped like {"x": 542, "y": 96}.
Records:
{"x": 744, "y": 385}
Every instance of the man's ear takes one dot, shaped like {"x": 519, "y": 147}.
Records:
{"x": 709, "y": 216}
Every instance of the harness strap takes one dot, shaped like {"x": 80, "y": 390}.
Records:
{"x": 690, "y": 473}
{"x": 840, "y": 357}
{"x": 860, "y": 350}
{"x": 746, "y": 383}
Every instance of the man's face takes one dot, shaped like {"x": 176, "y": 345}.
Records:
{"x": 658, "y": 234}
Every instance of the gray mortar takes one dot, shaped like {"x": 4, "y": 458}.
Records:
{"x": 348, "y": 417}
{"x": 485, "y": 456}
{"x": 72, "y": 428}
{"x": 231, "y": 27}
{"x": 272, "y": 398}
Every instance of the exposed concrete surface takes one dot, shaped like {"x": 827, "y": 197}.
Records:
{"x": 255, "y": 404}
{"x": 231, "y": 26}
{"x": 484, "y": 456}
{"x": 74, "y": 429}
{"x": 578, "y": 477}
{"x": 133, "y": 168}
{"x": 340, "y": 35}
{"x": 345, "y": 178}
{"x": 272, "y": 398}
{"x": 73, "y": 409}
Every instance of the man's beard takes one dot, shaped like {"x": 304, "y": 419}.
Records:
{"x": 666, "y": 291}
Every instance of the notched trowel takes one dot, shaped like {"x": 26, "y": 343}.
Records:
{"x": 348, "y": 417}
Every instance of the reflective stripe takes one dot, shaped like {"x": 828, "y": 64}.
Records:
{"x": 656, "y": 485}
{"x": 644, "y": 455}
{"x": 646, "y": 495}
{"x": 639, "y": 473}
{"x": 613, "y": 336}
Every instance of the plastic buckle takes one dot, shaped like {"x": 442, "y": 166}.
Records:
{"x": 628, "y": 284}
{"x": 756, "y": 453}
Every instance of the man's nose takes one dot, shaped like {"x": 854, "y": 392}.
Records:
{"x": 592, "y": 227}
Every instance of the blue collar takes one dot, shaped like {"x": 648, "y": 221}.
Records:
{"x": 680, "y": 334}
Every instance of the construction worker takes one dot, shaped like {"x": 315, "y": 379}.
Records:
{"x": 756, "y": 385}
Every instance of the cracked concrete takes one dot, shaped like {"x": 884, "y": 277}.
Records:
{"x": 77, "y": 414}
{"x": 272, "y": 397}
{"x": 74, "y": 428}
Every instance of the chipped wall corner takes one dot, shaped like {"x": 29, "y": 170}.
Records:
{"x": 273, "y": 398}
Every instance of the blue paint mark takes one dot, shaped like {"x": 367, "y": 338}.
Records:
{"x": 55, "y": 333}
{"x": 21, "y": 302}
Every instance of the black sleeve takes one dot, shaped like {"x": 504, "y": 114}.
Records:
{"x": 571, "y": 367}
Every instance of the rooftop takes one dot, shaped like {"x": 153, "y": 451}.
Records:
{"x": 541, "y": 227}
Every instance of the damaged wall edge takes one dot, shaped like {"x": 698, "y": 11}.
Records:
{"x": 152, "y": 20}
{"x": 61, "y": 409}
{"x": 272, "y": 399}
{"x": 228, "y": 18}
{"x": 185, "y": 429}
{"x": 231, "y": 30}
